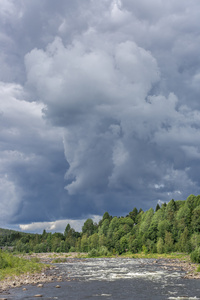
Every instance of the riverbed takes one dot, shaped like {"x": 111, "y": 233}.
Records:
{"x": 113, "y": 278}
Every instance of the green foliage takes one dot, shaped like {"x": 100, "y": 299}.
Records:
{"x": 104, "y": 227}
{"x": 195, "y": 219}
{"x": 144, "y": 249}
{"x": 163, "y": 226}
{"x": 183, "y": 217}
{"x": 157, "y": 207}
{"x": 133, "y": 244}
{"x": 93, "y": 253}
{"x": 195, "y": 240}
{"x": 113, "y": 227}
{"x": 184, "y": 244}
{"x": 174, "y": 226}
{"x": 104, "y": 251}
{"x": 59, "y": 260}
{"x": 195, "y": 255}
{"x": 93, "y": 241}
{"x": 67, "y": 230}
{"x": 191, "y": 202}
{"x": 133, "y": 214}
{"x": 160, "y": 246}
{"x": 4, "y": 262}
{"x": 152, "y": 232}
{"x": 106, "y": 216}
{"x": 169, "y": 244}
{"x": 13, "y": 265}
{"x": 170, "y": 209}
{"x": 84, "y": 243}
{"x": 88, "y": 227}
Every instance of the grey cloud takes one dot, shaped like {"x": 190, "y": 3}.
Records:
{"x": 30, "y": 154}
{"x": 26, "y": 25}
{"x": 98, "y": 87}
{"x": 94, "y": 99}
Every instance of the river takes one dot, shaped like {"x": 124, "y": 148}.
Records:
{"x": 114, "y": 278}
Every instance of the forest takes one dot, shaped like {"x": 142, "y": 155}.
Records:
{"x": 171, "y": 227}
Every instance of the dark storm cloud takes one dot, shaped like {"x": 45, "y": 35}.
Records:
{"x": 115, "y": 90}
{"x": 32, "y": 160}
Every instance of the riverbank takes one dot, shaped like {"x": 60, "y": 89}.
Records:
{"x": 174, "y": 261}
{"x": 49, "y": 272}
{"x": 52, "y": 273}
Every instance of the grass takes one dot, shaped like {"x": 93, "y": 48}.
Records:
{"x": 11, "y": 265}
{"x": 180, "y": 256}
{"x": 59, "y": 260}
{"x": 174, "y": 255}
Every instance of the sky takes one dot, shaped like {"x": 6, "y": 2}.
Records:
{"x": 99, "y": 108}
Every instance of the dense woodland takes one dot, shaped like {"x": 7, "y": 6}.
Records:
{"x": 174, "y": 226}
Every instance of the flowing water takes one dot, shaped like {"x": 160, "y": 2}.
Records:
{"x": 111, "y": 278}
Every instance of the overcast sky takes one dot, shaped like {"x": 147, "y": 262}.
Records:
{"x": 99, "y": 108}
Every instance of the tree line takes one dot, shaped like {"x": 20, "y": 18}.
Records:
{"x": 174, "y": 226}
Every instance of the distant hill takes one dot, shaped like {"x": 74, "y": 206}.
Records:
{"x": 7, "y": 231}
{"x": 9, "y": 237}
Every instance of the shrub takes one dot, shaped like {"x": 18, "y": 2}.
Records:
{"x": 3, "y": 262}
{"x": 93, "y": 253}
{"x": 195, "y": 255}
{"x": 59, "y": 260}
{"x": 104, "y": 251}
{"x": 72, "y": 249}
{"x": 144, "y": 249}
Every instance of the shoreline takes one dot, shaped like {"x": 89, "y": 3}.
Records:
{"x": 50, "y": 273}
{"x": 187, "y": 267}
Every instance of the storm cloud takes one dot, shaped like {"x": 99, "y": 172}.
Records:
{"x": 100, "y": 107}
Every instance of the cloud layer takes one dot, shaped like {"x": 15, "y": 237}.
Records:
{"x": 102, "y": 106}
